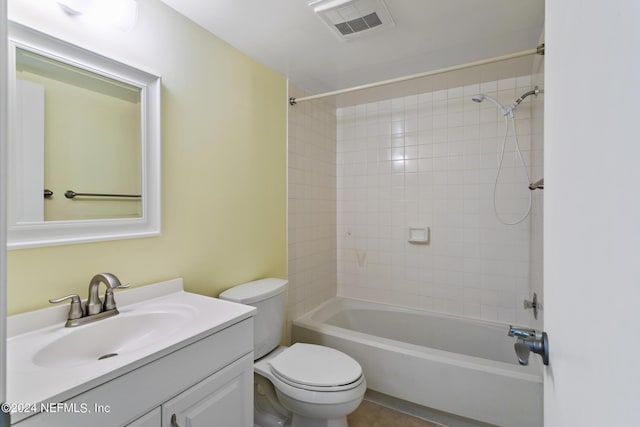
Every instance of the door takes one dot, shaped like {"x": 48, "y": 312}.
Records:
{"x": 592, "y": 213}
{"x": 4, "y": 418}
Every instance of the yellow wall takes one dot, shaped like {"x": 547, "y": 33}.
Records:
{"x": 224, "y": 164}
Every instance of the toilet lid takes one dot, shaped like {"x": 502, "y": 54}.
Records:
{"x": 315, "y": 365}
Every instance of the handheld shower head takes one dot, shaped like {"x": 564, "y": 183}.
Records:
{"x": 507, "y": 111}
{"x": 481, "y": 97}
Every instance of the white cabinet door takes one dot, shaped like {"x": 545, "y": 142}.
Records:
{"x": 223, "y": 399}
{"x": 151, "y": 419}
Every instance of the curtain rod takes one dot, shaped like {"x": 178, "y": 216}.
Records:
{"x": 538, "y": 50}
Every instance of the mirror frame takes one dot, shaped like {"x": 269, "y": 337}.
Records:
{"x": 50, "y": 233}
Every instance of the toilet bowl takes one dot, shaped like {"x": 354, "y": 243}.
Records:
{"x": 304, "y": 385}
{"x": 318, "y": 384}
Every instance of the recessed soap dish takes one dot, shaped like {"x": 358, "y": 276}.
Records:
{"x": 419, "y": 235}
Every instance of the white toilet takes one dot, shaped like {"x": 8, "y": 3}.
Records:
{"x": 315, "y": 386}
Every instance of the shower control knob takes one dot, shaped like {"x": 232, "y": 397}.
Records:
{"x": 534, "y": 305}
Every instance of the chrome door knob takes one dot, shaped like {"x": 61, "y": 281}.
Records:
{"x": 529, "y": 340}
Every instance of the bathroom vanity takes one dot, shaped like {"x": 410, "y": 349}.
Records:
{"x": 172, "y": 359}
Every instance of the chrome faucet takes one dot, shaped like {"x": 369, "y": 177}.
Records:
{"x": 94, "y": 309}
{"x": 94, "y": 305}
{"x": 529, "y": 340}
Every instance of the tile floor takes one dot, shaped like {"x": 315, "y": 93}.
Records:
{"x": 370, "y": 414}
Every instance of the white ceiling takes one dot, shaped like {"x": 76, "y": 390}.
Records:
{"x": 287, "y": 36}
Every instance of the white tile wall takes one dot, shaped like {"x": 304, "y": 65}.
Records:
{"x": 430, "y": 159}
{"x": 311, "y": 204}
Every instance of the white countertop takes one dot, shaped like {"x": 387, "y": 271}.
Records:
{"x": 31, "y": 379}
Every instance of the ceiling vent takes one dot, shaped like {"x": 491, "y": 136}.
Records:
{"x": 353, "y": 18}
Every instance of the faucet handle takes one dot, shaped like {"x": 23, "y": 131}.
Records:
{"x": 75, "y": 311}
{"x": 109, "y": 301}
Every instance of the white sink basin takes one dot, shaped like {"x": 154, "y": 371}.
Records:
{"x": 114, "y": 336}
{"x": 47, "y": 362}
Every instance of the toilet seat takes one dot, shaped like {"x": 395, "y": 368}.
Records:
{"x": 316, "y": 368}
{"x": 343, "y": 387}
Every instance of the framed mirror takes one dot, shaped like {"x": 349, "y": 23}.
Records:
{"x": 84, "y": 145}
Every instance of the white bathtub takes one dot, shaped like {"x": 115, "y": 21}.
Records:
{"x": 461, "y": 366}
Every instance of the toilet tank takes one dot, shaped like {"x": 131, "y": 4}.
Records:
{"x": 268, "y": 296}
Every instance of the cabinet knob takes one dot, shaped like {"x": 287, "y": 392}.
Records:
{"x": 174, "y": 423}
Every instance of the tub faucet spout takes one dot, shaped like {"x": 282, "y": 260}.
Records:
{"x": 521, "y": 332}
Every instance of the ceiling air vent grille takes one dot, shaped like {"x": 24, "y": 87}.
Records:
{"x": 352, "y": 18}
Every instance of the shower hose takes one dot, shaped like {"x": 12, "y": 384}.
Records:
{"x": 500, "y": 161}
